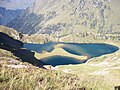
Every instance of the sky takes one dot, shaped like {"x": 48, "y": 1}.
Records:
{"x": 16, "y": 4}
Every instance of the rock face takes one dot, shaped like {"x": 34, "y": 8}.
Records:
{"x": 69, "y": 16}
{"x": 6, "y": 15}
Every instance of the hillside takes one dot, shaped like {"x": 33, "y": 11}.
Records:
{"x": 7, "y": 15}
{"x": 63, "y": 17}
{"x": 18, "y": 72}
{"x": 11, "y": 32}
{"x": 16, "y": 4}
{"x": 26, "y": 46}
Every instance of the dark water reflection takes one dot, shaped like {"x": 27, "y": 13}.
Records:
{"x": 90, "y": 50}
{"x": 60, "y": 60}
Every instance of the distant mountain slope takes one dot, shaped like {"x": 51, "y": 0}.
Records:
{"x": 70, "y": 16}
{"x": 16, "y": 4}
{"x": 6, "y": 15}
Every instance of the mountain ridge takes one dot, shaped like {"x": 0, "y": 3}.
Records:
{"x": 7, "y": 15}
{"x": 100, "y": 16}
{"x": 16, "y": 4}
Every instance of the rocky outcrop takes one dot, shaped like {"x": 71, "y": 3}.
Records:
{"x": 11, "y": 32}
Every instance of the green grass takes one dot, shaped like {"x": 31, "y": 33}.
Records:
{"x": 33, "y": 78}
{"x": 36, "y": 79}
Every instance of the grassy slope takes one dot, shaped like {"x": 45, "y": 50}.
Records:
{"x": 15, "y": 75}
{"x": 9, "y": 31}
{"x": 100, "y": 73}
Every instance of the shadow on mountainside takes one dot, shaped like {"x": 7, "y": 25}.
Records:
{"x": 16, "y": 47}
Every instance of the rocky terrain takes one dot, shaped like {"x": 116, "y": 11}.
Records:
{"x": 11, "y": 32}
{"x": 26, "y": 38}
{"x": 65, "y": 17}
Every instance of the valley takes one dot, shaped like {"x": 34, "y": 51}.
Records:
{"x": 59, "y": 45}
{"x": 97, "y": 69}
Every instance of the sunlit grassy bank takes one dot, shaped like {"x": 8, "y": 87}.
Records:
{"x": 60, "y": 52}
{"x": 33, "y": 78}
{"x": 100, "y": 73}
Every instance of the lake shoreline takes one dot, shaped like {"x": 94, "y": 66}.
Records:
{"x": 80, "y": 51}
